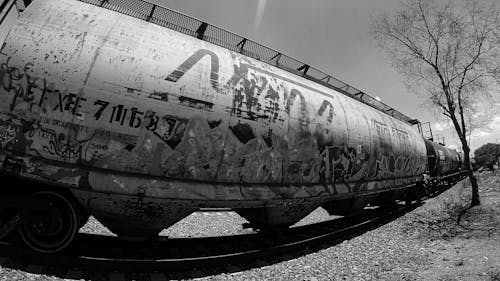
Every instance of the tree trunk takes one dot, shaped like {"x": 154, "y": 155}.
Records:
{"x": 473, "y": 181}
{"x": 475, "y": 189}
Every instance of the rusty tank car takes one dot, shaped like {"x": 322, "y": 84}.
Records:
{"x": 139, "y": 125}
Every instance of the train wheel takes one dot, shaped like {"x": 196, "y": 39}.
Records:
{"x": 50, "y": 231}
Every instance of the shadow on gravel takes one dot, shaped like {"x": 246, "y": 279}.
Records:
{"x": 200, "y": 270}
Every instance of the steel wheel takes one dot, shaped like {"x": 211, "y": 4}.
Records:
{"x": 50, "y": 230}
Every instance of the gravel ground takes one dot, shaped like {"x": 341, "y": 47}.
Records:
{"x": 409, "y": 248}
{"x": 207, "y": 224}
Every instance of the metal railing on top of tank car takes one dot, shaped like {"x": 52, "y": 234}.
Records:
{"x": 188, "y": 25}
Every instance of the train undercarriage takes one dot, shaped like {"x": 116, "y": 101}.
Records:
{"x": 47, "y": 218}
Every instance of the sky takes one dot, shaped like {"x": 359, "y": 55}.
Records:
{"x": 333, "y": 36}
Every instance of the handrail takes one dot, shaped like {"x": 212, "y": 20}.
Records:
{"x": 188, "y": 25}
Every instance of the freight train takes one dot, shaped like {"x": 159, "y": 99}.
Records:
{"x": 125, "y": 116}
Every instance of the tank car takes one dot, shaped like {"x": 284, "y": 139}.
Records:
{"x": 140, "y": 125}
{"x": 442, "y": 160}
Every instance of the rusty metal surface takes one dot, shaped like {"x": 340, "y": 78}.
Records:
{"x": 89, "y": 87}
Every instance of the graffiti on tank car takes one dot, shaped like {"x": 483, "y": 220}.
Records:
{"x": 20, "y": 83}
{"x": 8, "y": 133}
{"x": 18, "y": 142}
{"x": 201, "y": 149}
{"x": 61, "y": 147}
{"x": 52, "y": 99}
{"x": 68, "y": 125}
{"x": 341, "y": 164}
{"x": 390, "y": 166}
{"x": 382, "y": 130}
{"x": 262, "y": 95}
{"x": 247, "y": 94}
{"x": 401, "y": 135}
{"x": 195, "y": 103}
{"x": 33, "y": 91}
{"x": 250, "y": 99}
{"x": 65, "y": 102}
{"x": 272, "y": 102}
{"x": 303, "y": 111}
{"x": 132, "y": 117}
{"x": 118, "y": 114}
{"x": 192, "y": 61}
{"x": 257, "y": 94}
{"x": 36, "y": 92}
{"x": 75, "y": 143}
{"x": 248, "y": 84}
{"x": 326, "y": 104}
{"x": 385, "y": 167}
{"x": 59, "y": 144}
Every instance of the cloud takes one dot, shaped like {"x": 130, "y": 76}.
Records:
{"x": 488, "y": 134}
{"x": 492, "y": 128}
{"x": 495, "y": 124}
{"x": 480, "y": 134}
{"x": 441, "y": 126}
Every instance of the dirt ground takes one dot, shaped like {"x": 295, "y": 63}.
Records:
{"x": 469, "y": 250}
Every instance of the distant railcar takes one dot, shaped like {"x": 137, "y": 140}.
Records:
{"x": 442, "y": 160}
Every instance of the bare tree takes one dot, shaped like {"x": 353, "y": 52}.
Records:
{"x": 449, "y": 52}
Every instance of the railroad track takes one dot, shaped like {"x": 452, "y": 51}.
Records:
{"x": 96, "y": 257}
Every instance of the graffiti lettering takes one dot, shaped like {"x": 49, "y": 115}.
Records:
{"x": 69, "y": 125}
{"x": 248, "y": 88}
{"x": 103, "y": 105}
{"x": 19, "y": 82}
{"x": 194, "y": 59}
{"x": 7, "y": 134}
{"x": 68, "y": 103}
{"x": 135, "y": 118}
{"x": 61, "y": 145}
{"x": 382, "y": 129}
{"x": 26, "y": 89}
{"x": 400, "y": 134}
{"x": 272, "y": 108}
{"x": 303, "y": 112}
{"x": 118, "y": 114}
{"x": 341, "y": 164}
{"x": 257, "y": 94}
{"x": 322, "y": 109}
